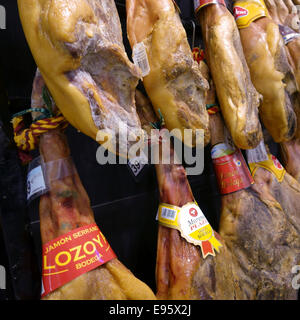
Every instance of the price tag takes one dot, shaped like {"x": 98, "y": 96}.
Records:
{"x": 137, "y": 164}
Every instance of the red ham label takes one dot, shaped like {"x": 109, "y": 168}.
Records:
{"x": 72, "y": 254}
{"x": 231, "y": 169}
{"x": 198, "y": 4}
{"x": 239, "y": 12}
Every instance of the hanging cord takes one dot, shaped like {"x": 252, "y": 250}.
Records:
{"x": 160, "y": 123}
{"x": 26, "y": 139}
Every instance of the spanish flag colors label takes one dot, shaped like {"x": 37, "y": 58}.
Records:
{"x": 72, "y": 254}
{"x": 192, "y": 224}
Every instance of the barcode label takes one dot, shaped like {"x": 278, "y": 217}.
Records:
{"x": 257, "y": 154}
{"x": 140, "y": 59}
{"x": 169, "y": 214}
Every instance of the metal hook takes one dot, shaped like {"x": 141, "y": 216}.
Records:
{"x": 194, "y": 33}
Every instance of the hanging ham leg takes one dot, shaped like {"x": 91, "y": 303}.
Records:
{"x": 238, "y": 98}
{"x": 181, "y": 272}
{"x": 66, "y": 207}
{"x": 260, "y": 231}
{"x": 260, "y": 226}
{"x": 290, "y": 150}
{"x": 78, "y": 47}
{"x": 284, "y": 12}
{"x": 279, "y": 12}
{"x": 271, "y": 75}
{"x": 174, "y": 83}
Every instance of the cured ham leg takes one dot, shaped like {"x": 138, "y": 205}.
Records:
{"x": 238, "y": 98}
{"x": 290, "y": 150}
{"x": 67, "y": 207}
{"x": 260, "y": 236}
{"x": 181, "y": 272}
{"x": 77, "y": 45}
{"x": 284, "y": 12}
{"x": 174, "y": 83}
{"x": 279, "y": 12}
{"x": 260, "y": 227}
{"x": 271, "y": 74}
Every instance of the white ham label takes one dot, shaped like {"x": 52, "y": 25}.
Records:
{"x": 257, "y": 154}
{"x": 140, "y": 59}
{"x": 35, "y": 182}
{"x": 192, "y": 224}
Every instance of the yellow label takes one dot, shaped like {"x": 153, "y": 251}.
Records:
{"x": 202, "y": 234}
{"x": 168, "y": 215}
{"x": 272, "y": 165}
{"x": 246, "y": 12}
{"x": 192, "y": 224}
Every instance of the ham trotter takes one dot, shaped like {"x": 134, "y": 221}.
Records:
{"x": 71, "y": 240}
